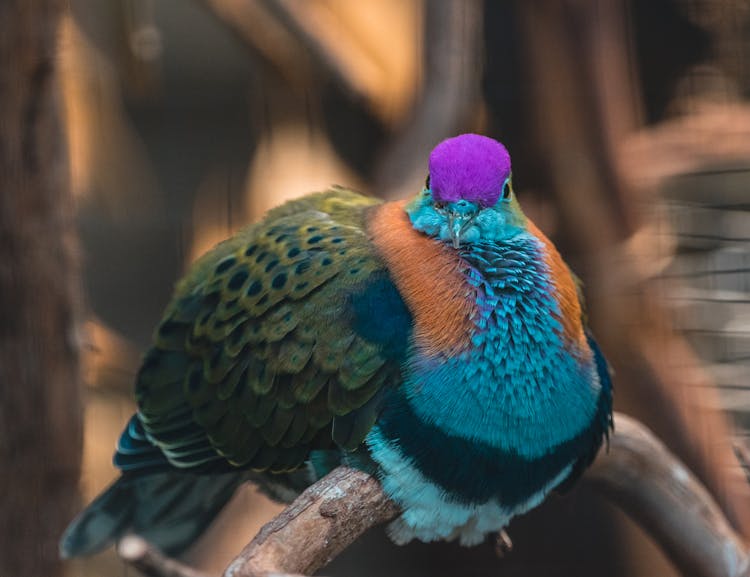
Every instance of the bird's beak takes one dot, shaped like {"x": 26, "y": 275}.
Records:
{"x": 454, "y": 224}
{"x": 457, "y": 224}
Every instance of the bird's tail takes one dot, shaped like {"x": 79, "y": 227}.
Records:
{"x": 168, "y": 509}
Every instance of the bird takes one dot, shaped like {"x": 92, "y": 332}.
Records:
{"x": 439, "y": 343}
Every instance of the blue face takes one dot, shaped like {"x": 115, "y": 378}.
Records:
{"x": 465, "y": 222}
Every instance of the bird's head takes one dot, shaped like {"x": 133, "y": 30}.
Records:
{"x": 468, "y": 195}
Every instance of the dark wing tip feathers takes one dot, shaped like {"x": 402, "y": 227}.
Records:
{"x": 169, "y": 509}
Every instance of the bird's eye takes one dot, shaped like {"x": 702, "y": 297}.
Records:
{"x": 507, "y": 189}
{"x": 427, "y": 182}
{"x": 440, "y": 206}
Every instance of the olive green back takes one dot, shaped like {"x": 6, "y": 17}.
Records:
{"x": 256, "y": 361}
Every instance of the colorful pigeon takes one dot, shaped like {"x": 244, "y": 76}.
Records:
{"x": 438, "y": 343}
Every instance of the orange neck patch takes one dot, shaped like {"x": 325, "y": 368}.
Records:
{"x": 428, "y": 276}
{"x": 566, "y": 293}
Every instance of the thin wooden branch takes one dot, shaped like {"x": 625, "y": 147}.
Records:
{"x": 322, "y": 522}
{"x": 152, "y": 562}
{"x": 638, "y": 473}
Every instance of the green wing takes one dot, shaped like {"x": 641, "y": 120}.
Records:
{"x": 277, "y": 342}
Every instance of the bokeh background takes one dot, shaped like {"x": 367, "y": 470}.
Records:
{"x": 629, "y": 126}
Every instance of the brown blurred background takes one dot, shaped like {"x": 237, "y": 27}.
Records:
{"x": 629, "y": 126}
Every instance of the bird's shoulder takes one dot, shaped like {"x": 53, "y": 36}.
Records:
{"x": 328, "y": 211}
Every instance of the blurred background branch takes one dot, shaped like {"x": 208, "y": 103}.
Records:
{"x": 445, "y": 101}
{"x": 40, "y": 401}
{"x": 295, "y": 42}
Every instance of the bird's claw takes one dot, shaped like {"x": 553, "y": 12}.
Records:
{"x": 503, "y": 544}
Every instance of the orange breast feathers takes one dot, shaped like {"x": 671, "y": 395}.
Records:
{"x": 566, "y": 294}
{"x": 428, "y": 276}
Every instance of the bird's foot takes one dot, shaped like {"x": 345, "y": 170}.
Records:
{"x": 503, "y": 544}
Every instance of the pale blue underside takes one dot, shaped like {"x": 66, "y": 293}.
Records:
{"x": 429, "y": 512}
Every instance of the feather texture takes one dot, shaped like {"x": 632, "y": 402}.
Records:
{"x": 274, "y": 337}
{"x": 439, "y": 344}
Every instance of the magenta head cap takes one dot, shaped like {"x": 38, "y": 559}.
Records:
{"x": 469, "y": 167}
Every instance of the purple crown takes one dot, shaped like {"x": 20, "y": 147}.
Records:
{"x": 470, "y": 167}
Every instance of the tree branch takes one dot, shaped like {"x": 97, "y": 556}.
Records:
{"x": 322, "y": 522}
{"x": 638, "y": 473}
{"x": 152, "y": 562}
{"x": 645, "y": 480}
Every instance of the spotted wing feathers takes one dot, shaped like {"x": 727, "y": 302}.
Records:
{"x": 266, "y": 351}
